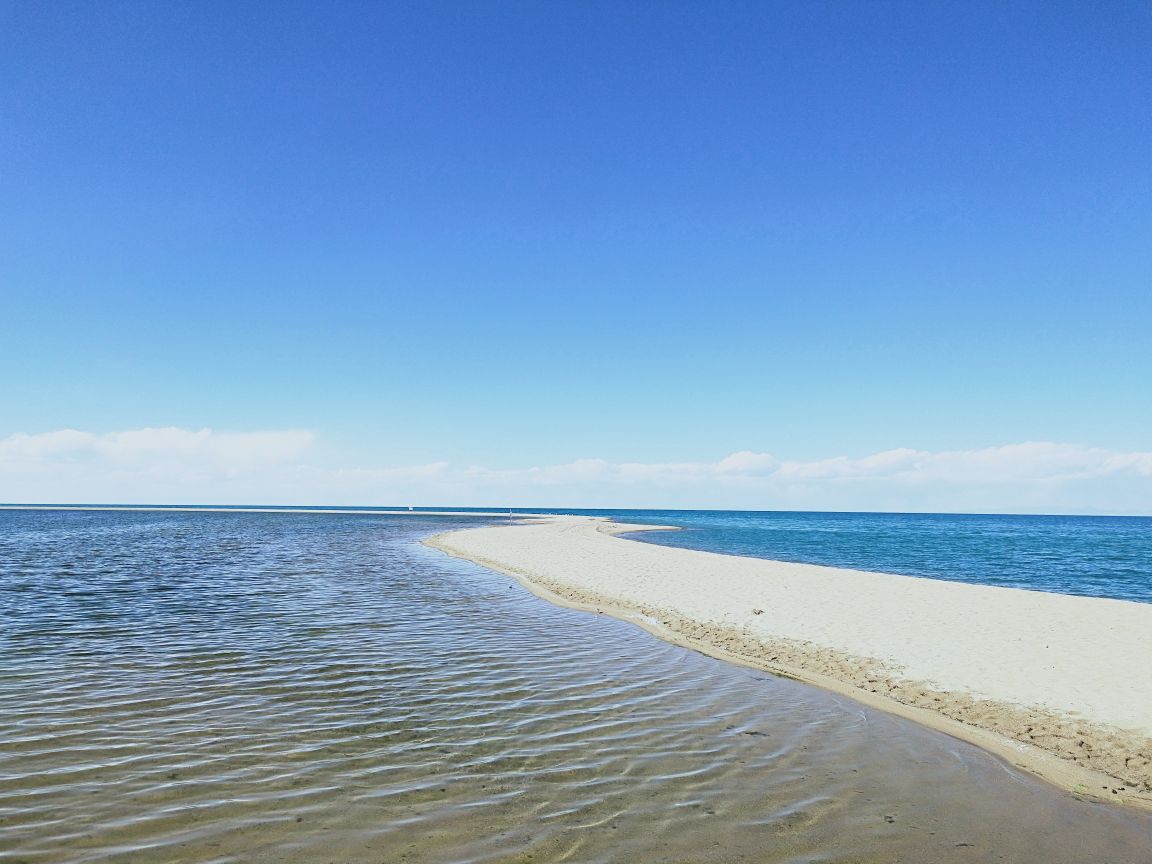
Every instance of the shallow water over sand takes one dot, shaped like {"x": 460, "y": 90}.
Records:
{"x": 258, "y": 687}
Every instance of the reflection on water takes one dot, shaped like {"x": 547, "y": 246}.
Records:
{"x": 260, "y": 687}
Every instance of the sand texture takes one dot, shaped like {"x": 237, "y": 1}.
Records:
{"x": 1056, "y": 684}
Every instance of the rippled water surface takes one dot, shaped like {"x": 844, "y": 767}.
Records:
{"x": 180, "y": 687}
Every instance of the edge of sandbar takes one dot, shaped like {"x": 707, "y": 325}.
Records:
{"x": 1074, "y": 777}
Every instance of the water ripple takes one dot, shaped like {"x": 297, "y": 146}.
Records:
{"x": 262, "y": 687}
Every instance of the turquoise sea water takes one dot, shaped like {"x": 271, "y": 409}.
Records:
{"x": 1094, "y": 556}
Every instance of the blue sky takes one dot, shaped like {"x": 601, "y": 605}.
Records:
{"x": 519, "y": 235}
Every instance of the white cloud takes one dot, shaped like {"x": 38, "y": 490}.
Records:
{"x": 163, "y": 465}
{"x": 1038, "y": 461}
{"x": 747, "y": 462}
{"x": 167, "y": 445}
{"x": 183, "y": 466}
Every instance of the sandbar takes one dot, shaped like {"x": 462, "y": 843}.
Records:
{"x": 1055, "y": 684}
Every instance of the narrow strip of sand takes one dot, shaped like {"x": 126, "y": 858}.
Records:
{"x": 1058, "y": 685}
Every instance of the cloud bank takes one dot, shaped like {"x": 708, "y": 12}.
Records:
{"x": 179, "y": 466}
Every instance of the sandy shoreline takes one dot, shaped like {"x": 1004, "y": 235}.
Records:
{"x": 1052, "y": 683}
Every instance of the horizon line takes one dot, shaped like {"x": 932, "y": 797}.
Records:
{"x": 469, "y": 510}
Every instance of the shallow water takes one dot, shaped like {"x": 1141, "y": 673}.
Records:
{"x": 261, "y": 687}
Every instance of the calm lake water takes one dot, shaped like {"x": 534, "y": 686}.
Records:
{"x": 236, "y": 687}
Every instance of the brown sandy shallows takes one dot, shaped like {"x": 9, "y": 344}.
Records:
{"x": 1055, "y": 684}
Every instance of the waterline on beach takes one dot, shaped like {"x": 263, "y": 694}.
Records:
{"x": 1024, "y": 674}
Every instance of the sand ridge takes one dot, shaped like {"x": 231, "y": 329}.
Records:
{"x": 1053, "y": 683}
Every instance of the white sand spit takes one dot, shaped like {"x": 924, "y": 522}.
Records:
{"x": 1057, "y": 684}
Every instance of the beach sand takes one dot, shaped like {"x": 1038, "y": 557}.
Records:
{"x": 1055, "y": 684}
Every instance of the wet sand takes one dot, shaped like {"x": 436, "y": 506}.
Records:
{"x": 1052, "y": 683}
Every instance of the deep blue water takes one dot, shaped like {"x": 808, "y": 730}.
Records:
{"x": 1094, "y": 556}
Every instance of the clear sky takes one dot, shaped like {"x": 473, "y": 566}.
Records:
{"x": 432, "y": 237}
